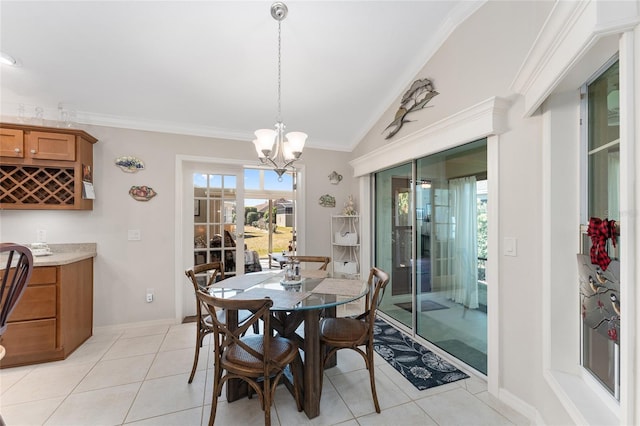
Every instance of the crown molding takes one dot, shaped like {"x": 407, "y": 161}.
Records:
{"x": 483, "y": 119}
{"x": 570, "y": 31}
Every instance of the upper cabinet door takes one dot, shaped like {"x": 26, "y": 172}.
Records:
{"x": 11, "y": 143}
{"x": 51, "y": 146}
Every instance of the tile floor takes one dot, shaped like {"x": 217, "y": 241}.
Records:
{"x": 139, "y": 377}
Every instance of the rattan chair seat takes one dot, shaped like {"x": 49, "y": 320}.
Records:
{"x": 343, "y": 331}
{"x": 280, "y": 353}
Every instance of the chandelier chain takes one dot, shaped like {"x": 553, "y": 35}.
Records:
{"x": 279, "y": 71}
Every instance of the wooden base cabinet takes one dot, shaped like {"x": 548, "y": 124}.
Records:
{"x": 54, "y": 315}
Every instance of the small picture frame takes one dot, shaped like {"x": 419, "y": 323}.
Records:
{"x": 87, "y": 175}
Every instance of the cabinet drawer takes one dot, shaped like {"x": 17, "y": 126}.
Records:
{"x": 36, "y": 302}
{"x": 30, "y": 336}
{"x": 51, "y": 146}
{"x": 43, "y": 275}
{"x": 11, "y": 143}
{"x": 40, "y": 275}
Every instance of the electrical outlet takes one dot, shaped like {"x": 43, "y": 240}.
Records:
{"x": 41, "y": 236}
{"x": 149, "y": 295}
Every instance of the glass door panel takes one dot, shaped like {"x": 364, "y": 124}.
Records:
{"x": 218, "y": 235}
{"x": 394, "y": 240}
{"x": 451, "y": 310}
{"x": 269, "y": 212}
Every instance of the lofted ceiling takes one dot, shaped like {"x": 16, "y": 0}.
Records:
{"x": 209, "y": 68}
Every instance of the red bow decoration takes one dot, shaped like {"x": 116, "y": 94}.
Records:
{"x": 600, "y": 231}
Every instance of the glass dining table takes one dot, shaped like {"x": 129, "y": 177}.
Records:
{"x": 293, "y": 304}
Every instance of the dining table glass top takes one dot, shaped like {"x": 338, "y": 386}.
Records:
{"x": 315, "y": 290}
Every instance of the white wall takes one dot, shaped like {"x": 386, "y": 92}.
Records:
{"x": 125, "y": 269}
{"x": 479, "y": 61}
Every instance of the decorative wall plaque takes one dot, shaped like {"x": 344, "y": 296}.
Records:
{"x": 416, "y": 98}
{"x": 142, "y": 193}
{"x": 327, "y": 201}
{"x": 129, "y": 164}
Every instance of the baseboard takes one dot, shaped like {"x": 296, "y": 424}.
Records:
{"x": 126, "y": 326}
{"x": 527, "y": 410}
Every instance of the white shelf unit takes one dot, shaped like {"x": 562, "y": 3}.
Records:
{"x": 345, "y": 246}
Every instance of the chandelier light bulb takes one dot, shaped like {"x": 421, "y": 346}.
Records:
{"x": 258, "y": 150}
{"x": 266, "y": 139}
{"x": 287, "y": 152}
{"x": 296, "y": 141}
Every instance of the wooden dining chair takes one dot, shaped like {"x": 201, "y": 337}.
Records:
{"x": 350, "y": 333}
{"x": 214, "y": 272}
{"x": 15, "y": 277}
{"x": 323, "y": 260}
{"x": 259, "y": 359}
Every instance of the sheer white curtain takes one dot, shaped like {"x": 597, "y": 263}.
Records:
{"x": 462, "y": 284}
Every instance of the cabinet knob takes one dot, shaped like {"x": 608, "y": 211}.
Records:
{"x": 16, "y": 150}
{"x": 33, "y": 151}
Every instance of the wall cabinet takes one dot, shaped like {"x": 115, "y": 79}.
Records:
{"x": 53, "y": 317}
{"x": 345, "y": 246}
{"x": 44, "y": 167}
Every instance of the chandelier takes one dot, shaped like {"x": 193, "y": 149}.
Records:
{"x": 273, "y": 147}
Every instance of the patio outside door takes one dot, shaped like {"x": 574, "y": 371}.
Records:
{"x": 394, "y": 240}
{"x": 218, "y": 218}
{"x": 430, "y": 235}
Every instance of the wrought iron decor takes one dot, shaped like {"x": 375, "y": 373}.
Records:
{"x": 414, "y": 99}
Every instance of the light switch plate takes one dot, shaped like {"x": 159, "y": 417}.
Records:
{"x": 510, "y": 246}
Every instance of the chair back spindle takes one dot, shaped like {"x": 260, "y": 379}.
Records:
{"x": 15, "y": 277}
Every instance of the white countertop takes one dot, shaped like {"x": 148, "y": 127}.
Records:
{"x": 63, "y": 254}
{"x": 56, "y": 259}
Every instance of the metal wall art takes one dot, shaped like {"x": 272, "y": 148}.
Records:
{"x": 327, "y": 201}
{"x": 416, "y": 98}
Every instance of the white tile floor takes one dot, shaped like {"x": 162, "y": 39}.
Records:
{"x": 139, "y": 377}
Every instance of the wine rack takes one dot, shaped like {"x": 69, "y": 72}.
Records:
{"x": 37, "y": 186}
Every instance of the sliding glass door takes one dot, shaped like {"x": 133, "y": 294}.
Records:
{"x": 394, "y": 239}
{"x": 431, "y": 235}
